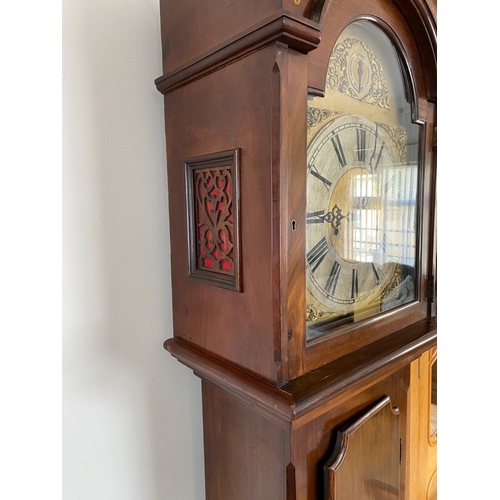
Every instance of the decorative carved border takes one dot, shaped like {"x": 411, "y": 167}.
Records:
{"x": 212, "y": 198}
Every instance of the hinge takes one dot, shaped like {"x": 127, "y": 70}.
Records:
{"x": 435, "y": 138}
{"x": 431, "y": 288}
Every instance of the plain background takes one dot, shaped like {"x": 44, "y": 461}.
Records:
{"x": 131, "y": 413}
{"x": 102, "y": 412}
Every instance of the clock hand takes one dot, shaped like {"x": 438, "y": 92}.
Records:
{"x": 374, "y": 148}
{"x": 334, "y": 218}
{"x": 337, "y": 218}
{"x": 360, "y": 73}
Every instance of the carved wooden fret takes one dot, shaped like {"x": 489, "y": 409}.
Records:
{"x": 212, "y": 187}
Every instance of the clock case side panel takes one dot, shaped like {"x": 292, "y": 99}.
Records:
{"x": 257, "y": 106}
{"x": 227, "y": 110}
{"x": 305, "y": 357}
{"x": 246, "y": 451}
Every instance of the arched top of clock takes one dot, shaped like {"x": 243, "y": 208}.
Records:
{"x": 413, "y": 34}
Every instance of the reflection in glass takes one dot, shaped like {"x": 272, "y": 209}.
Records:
{"x": 363, "y": 160}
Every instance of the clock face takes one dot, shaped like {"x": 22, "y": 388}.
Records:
{"x": 362, "y": 186}
{"x": 349, "y": 172}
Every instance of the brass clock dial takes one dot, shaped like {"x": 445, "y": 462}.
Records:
{"x": 349, "y": 172}
{"x": 362, "y": 186}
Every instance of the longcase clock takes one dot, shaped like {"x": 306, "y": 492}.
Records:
{"x": 301, "y": 160}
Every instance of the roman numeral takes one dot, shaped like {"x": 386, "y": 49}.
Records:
{"x": 315, "y": 217}
{"x": 376, "y": 155}
{"x": 338, "y": 149}
{"x": 377, "y": 277}
{"x": 361, "y": 141}
{"x": 381, "y": 150}
{"x": 316, "y": 255}
{"x": 314, "y": 171}
{"x": 354, "y": 288}
{"x": 333, "y": 278}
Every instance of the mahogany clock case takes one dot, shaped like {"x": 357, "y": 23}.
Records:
{"x": 343, "y": 415}
{"x": 237, "y": 78}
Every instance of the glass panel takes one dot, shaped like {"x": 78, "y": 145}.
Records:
{"x": 362, "y": 185}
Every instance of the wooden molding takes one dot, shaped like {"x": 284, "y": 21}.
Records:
{"x": 301, "y": 396}
{"x": 298, "y": 33}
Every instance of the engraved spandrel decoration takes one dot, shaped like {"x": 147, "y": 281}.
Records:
{"x": 317, "y": 115}
{"x": 214, "y": 220}
{"x": 355, "y": 70}
{"x": 315, "y": 314}
{"x": 212, "y": 188}
{"x": 400, "y": 139}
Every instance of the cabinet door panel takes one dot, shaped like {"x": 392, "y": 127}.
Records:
{"x": 365, "y": 462}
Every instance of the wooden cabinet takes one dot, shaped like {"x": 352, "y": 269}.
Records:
{"x": 267, "y": 442}
{"x": 301, "y": 179}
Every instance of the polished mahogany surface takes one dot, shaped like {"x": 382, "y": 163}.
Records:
{"x": 237, "y": 76}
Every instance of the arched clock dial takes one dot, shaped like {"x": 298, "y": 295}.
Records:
{"x": 362, "y": 186}
{"x": 350, "y": 170}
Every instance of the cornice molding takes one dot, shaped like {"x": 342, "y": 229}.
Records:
{"x": 298, "y": 33}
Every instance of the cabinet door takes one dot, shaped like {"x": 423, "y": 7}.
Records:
{"x": 366, "y": 460}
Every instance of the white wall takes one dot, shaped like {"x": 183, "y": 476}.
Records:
{"x": 131, "y": 412}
